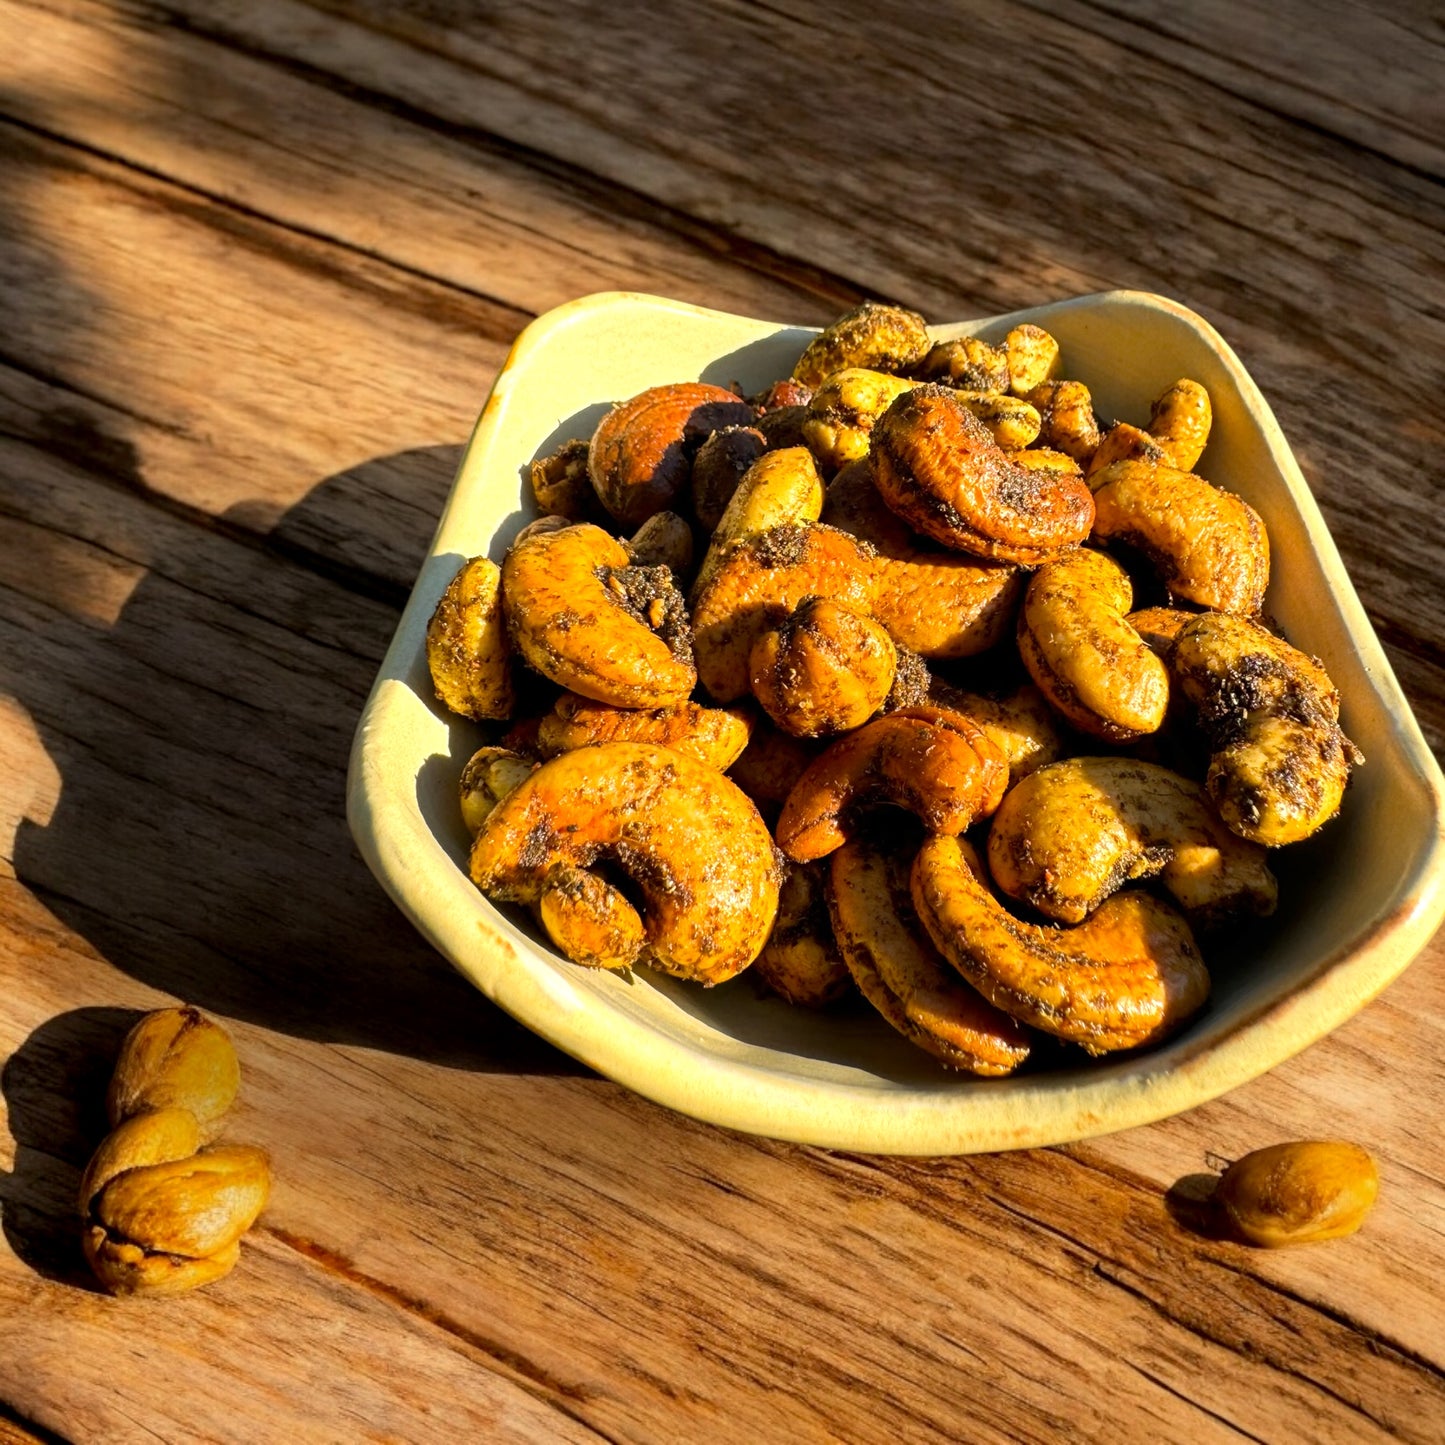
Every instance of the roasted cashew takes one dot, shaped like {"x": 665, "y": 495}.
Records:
{"x": 769, "y": 767}
{"x": 968, "y": 363}
{"x": 882, "y": 338}
{"x": 162, "y": 1214}
{"x": 938, "y": 604}
{"x": 718, "y": 467}
{"x": 1075, "y": 832}
{"x": 844, "y": 411}
{"x": 641, "y": 453}
{"x": 1124, "y": 443}
{"x": 1129, "y": 975}
{"x": 663, "y": 540}
{"x": 698, "y": 856}
{"x": 1180, "y": 421}
{"x": 1020, "y": 724}
{"x": 1085, "y": 657}
{"x": 1299, "y": 1193}
{"x": 781, "y": 488}
{"x": 1207, "y": 545}
{"x": 581, "y": 615}
{"x": 936, "y": 763}
{"x": 1011, "y": 421}
{"x": 759, "y": 582}
{"x": 936, "y": 465}
{"x": 823, "y": 668}
{"x": 1032, "y": 357}
{"x": 1279, "y": 762}
{"x": 900, "y": 972}
{"x": 713, "y": 735}
{"x": 1066, "y": 418}
{"x": 466, "y": 644}
{"x": 562, "y": 485}
{"x": 800, "y": 960}
{"x": 1159, "y": 626}
{"x": 490, "y": 774}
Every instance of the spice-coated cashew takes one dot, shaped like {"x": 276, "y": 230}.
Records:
{"x": 800, "y": 960}
{"x": 467, "y": 651}
{"x": 712, "y": 735}
{"x": 696, "y": 852}
{"x": 1129, "y": 975}
{"x": 1075, "y": 832}
{"x": 885, "y": 338}
{"x": 935, "y": 763}
{"x": 936, "y": 465}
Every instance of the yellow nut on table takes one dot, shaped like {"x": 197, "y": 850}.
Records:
{"x": 175, "y": 1057}
{"x": 1300, "y": 1192}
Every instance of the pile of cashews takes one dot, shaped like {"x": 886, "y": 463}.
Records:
{"x": 764, "y": 662}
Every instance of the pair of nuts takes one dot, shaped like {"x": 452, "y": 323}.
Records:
{"x": 164, "y": 1215}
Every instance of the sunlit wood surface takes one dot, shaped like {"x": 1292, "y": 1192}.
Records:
{"x": 259, "y": 261}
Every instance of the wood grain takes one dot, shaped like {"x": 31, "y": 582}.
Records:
{"x": 261, "y": 261}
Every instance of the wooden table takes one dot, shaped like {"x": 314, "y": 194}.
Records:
{"x": 260, "y": 260}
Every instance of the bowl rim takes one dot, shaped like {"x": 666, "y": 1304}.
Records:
{"x": 696, "y": 1080}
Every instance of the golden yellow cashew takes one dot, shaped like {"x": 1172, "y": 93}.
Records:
{"x": 583, "y": 616}
{"x": 969, "y": 363}
{"x": 1180, "y": 421}
{"x": 490, "y": 774}
{"x": 822, "y": 669}
{"x": 1085, "y": 657}
{"x": 933, "y": 762}
{"x": 1279, "y": 762}
{"x": 936, "y": 466}
{"x": 1299, "y": 1193}
{"x": 1073, "y": 833}
{"x": 1207, "y": 545}
{"x": 695, "y": 850}
{"x": 1020, "y": 724}
{"x": 903, "y": 976}
{"x": 1066, "y": 418}
{"x": 1128, "y": 976}
{"x": 1033, "y": 356}
{"x": 844, "y": 411}
{"x": 882, "y": 338}
{"x": 467, "y": 650}
{"x": 713, "y": 735}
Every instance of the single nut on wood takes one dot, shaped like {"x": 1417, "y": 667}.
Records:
{"x": 1180, "y": 421}
{"x": 800, "y": 961}
{"x": 663, "y": 540}
{"x": 713, "y": 735}
{"x": 1085, "y": 657}
{"x": 1032, "y": 356}
{"x": 642, "y": 451}
{"x": 1066, "y": 418}
{"x": 192, "y": 1207}
{"x": 1128, "y": 976}
{"x": 902, "y": 975}
{"x": 718, "y": 467}
{"x": 1299, "y": 1193}
{"x": 822, "y": 669}
{"x": 1207, "y": 545}
{"x": 467, "y": 650}
{"x": 490, "y": 774}
{"x": 933, "y": 762}
{"x": 968, "y": 363}
{"x": 937, "y": 466}
{"x": 844, "y": 411}
{"x": 881, "y": 338}
{"x": 175, "y": 1058}
{"x": 562, "y": 485}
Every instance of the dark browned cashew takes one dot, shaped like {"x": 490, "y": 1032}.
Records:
{"x": 933, "y": 762}
{"x": 937, "y": 466}
{"x": 800, "y": 960}
{"x": 641, "y": 453}
{"x": 1073, "y": 833}
{"x": 562, "y": 485}
{"x": 718, "y": 468}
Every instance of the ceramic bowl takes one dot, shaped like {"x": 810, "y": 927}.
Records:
{"x": 1358, "y": 901}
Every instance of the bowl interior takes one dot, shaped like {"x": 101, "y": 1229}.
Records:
{"x": 1356, "y": 902}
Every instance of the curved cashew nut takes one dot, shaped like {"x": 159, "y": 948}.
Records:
{"x": 1033, "y": 356}
{"x": 1180, "y": 421}
{"x": 1020, "y": 724}
{"x": 1129, "y": 975}
{"x": 967, "y": 362}
{"x": 800, "y": 960}
{"x": 1073, "y": 833}
{"x": 713, "y": 735}
{"x": 467, "y": 652}
{"x": 888, "y": 338}
{"x": 698, "y": 856}
{"x": 903, "y": 976}
{"x": 1279, "y": 761}
{"x": 641, "y": 453}
{"x": 845, "y": 409}
{"x": 1066, "y": 418}
{"x": 936, "y": 465}
{"x": 1085, "y": 657}
{"x": 759, "y": 582}
{"x": 1207, "y": 545}
{"x": 936, "y": 763}
{"x": 490, "y": 774}
{"x": 576, "y": 615}
{"x": 562, "y": 486}
{"x": 939, "y": 604}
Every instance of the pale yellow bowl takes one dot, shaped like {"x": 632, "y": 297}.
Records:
{"x": 1358, "y": 901}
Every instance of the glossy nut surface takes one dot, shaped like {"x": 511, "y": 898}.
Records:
{"x": 467, "y": 649}
{"x": 883, "y": 338}
{"x": 1300, "y": 1192}
{"x": 175, "y": 1058}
